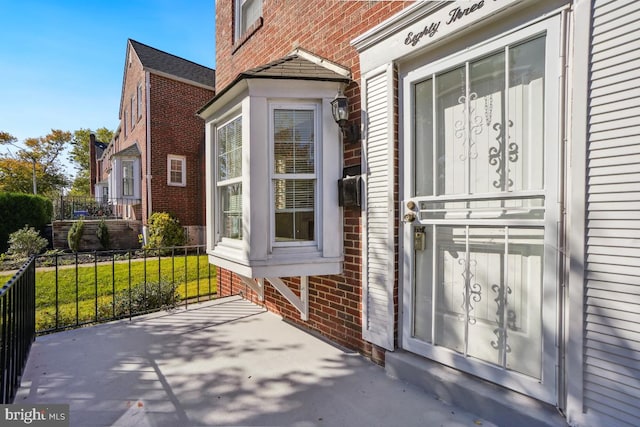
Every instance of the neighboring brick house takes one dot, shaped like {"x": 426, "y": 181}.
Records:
{"x": 154, "y": 162}
{"x": 493, "y": 255}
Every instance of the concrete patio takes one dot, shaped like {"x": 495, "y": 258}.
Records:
{"x": 224, "y": 362}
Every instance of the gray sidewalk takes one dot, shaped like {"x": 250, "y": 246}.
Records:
{"x": 225, "y": 362}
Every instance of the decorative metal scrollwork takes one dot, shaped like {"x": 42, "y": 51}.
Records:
{"x": 497, "y": 157}
{"x": 500, "y": 331}
{"x": 475, "y": 123}
{"x": 472, "y": 292}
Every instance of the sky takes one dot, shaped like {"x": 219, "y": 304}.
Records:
{"x": 62, "y": 61}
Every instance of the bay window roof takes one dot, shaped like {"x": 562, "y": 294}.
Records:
{"x": 131, "y": 151}
{"x": 298, "y": 65}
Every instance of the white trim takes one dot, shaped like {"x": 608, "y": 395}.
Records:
{"x": 139, "y": 100}
{"x": 183, "y": 170}
{"x": 323, "y": 62}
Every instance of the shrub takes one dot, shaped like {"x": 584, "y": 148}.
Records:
{"x": 165, "y": 231}
{"x": 75, "y": 234}
{"x": 25, "y": 242}
{"x": 103, "y": 234}
{"x": 20, "y": 209}
{"x": 162, "y": 295}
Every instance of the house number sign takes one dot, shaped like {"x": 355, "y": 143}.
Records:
{"x": 447, "y": 20}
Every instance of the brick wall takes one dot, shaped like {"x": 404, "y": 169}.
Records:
{"x": 175, "y": 129}
{"x": 323, "y": 27}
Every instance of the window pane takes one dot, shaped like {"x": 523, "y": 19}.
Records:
{"x": 127, "y": 178}
{"x": 229, "y": 139}
{"x": 526, "y": 115}
{"x": 423, "y": 161}
{"x": 294, "y": 141}
{"x": 294, "y": 209}
{"x": 486, "y": 129}
{"x": 229, "y": 144}
{"x": 251, "y": 10}
{"x": 176, "y": 171}
{"x": 231, "y": 211}
{"x": 451, "y": 173}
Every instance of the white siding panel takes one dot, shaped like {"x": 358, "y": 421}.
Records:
{"x": 615, "y": 151}
{"x": 612, "y": 270}
{"x": 378, "y": 246}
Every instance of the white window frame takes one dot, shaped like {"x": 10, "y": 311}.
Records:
{"x": 139, "y": 100}
{"x": 133, "y": 114}
{"x": 125, "y": 178}
{"x": 316, "y": 175}
{"x": 239, "y": 15}
{"x": 183, "y": 170}
{"x": 219, "y": 238}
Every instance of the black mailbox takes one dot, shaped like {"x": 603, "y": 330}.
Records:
{"x": 349, "y": 190}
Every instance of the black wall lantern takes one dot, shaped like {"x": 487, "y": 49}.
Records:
{"x": 340, "y": 111}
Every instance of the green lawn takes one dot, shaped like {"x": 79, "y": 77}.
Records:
{"x": 82, "y": 282}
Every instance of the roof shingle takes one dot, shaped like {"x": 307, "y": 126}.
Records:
{"x": 157, "y": 60}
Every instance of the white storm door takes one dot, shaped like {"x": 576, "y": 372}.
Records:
{"x": 480, "y": 204}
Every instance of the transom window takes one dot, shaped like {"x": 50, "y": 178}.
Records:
{"x": 294, "y": 173}
{"x": 176, "y": 170}
{"x": 229, "y": 178}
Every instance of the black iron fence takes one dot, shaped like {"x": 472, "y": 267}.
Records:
{"x": 77, "y": 289}
{"x": 17, "y": 331}
{"x": 72, "y": 207}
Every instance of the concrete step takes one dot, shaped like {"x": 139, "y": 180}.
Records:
{"x": 487, "y": 400}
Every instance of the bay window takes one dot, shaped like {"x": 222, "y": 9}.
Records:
{"x": 274, "y": 158}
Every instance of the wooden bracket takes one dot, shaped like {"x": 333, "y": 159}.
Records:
{"x": 301, "y": 303}
{"x": 256, "y": 285}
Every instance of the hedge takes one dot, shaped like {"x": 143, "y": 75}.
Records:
{"x": 18, "y": 210}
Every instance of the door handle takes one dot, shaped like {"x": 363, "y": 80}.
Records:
{"x": 409, "y": 217}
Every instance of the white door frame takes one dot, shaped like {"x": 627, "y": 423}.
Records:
{"x": 547, "y": 388}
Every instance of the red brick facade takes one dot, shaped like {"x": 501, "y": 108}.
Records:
{"x": 325, "y": 28}
{"x": 175, "y": 129}
{"x": 168, "y": 119}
